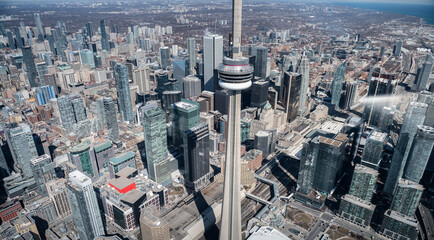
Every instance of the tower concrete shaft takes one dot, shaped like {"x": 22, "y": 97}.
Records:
{"x": 237, "y": 9}
{"x": 235, "y": 75}
{"x": 231, "y": 209}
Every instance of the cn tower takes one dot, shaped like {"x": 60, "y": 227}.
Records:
{"x": 235, "y": 75}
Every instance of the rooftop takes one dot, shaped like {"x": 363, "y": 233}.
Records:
{"x": 361, "y": 168}
{"x": 377, "y": 136}
{"x": 266, "y": 233}
{"x": 78, "y": 176}
{"x": 121, "y": 182}
{"x": 329, "y": 141}
{"x": 80, "y": 147}
{"x": 118, "y": 159}
{"x": 126, "y": 172}
{"x": 104, "y": 144}
{"x": 133, "y": 196}
{"x": 185, "y": 105}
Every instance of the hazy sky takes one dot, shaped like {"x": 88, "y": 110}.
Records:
{"x": 390, "y": 1}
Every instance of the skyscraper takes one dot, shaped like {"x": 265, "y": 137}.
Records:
{"x": 196, "y": 155}
{"x": 18, "y": 38}
{"x": 308, "y": 163}
{"x": 100, "y": 111}
{"x": 22, "y": 147}
{"x": 192, "y": 86}
{"x": 11, "y": 40}
{"x": 180, "y": 70}
{"x": 397, "y": 48}
{"x": 44, "y": 94}
{"x": 363, "y": 182}
{"x": 264, "y": 141}
{"x": 414, "y": 116}
{"x": 291, "y": 94}
{"x": 191, "y": 48}
{"x": 304, "y": 71}
{"x": 104, "y": 39}
{"x": 29, "y": 61}
{"x": 373, "y": 152}
{"x": 83, "y": 157}
{"x": 381, "y": 85}
{"x": 39, "y": 26}
{"x": 406, "y": 197}
{"x": 329, "y": 162}
{"x": 419, "y": 154}
{"x": 71, "y": 110}
{"x": 235, "y": 75}
{"x": 185, "y": 115}
{"x": 337, "y": 84}
{"x": 351, "y": 94}
{"x": 154, "y": 127}
{"x": 399, "y": 221}
{"x": 356, "y": 205}
{"x": 43, "y": 172}
{"x": 89, "y": 29}
{"x": 123, "y": 92}
{"x": 111, "y": 119}
{"x": 164, "y": 57}
{"x": 212, "y": 57}
{"x": 261, "y": 62}
{"x": 141, "y": 78}
{"x": 84, "y": 206}
{"x": 86, "y": 57}
{"x": 422, "y": 77}
{"x": 259, "y": 94}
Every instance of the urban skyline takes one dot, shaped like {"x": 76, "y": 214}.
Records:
{"x": 209, "y": 120}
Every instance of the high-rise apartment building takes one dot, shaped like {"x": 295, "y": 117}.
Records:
{"x": 22, "y": 147}
{"x": 304, "y": 71}
{"x": 397, "y": 48}
{"x": 30, "y": 66}
{"x": 356, "y": 206}
{"x": 191, "y": 48}
{"x": 154, "y": 127}
{"x": 399, "y": 221}
{"x": 71, "y": 110}
{"x": 373, "y": 152}
{"x": 43, "y": 172}
{"x": 123, "y": 93}
{"x": 308, "y": 163}
{"x": 39, "y": 27}
{"x": 414, "y": 116}
{"x": 104, "y": 39}
{"x": 337, "y": 84}
{"x": 84, "y": 206}
{"x": 111, "y": 119}
{"x": 164, "y": 57}
{"x": 422, "y": 77}
{"x": 419, "y": 154}
{"x": 329, "y": 162}
{"x": 212, "y": 58}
